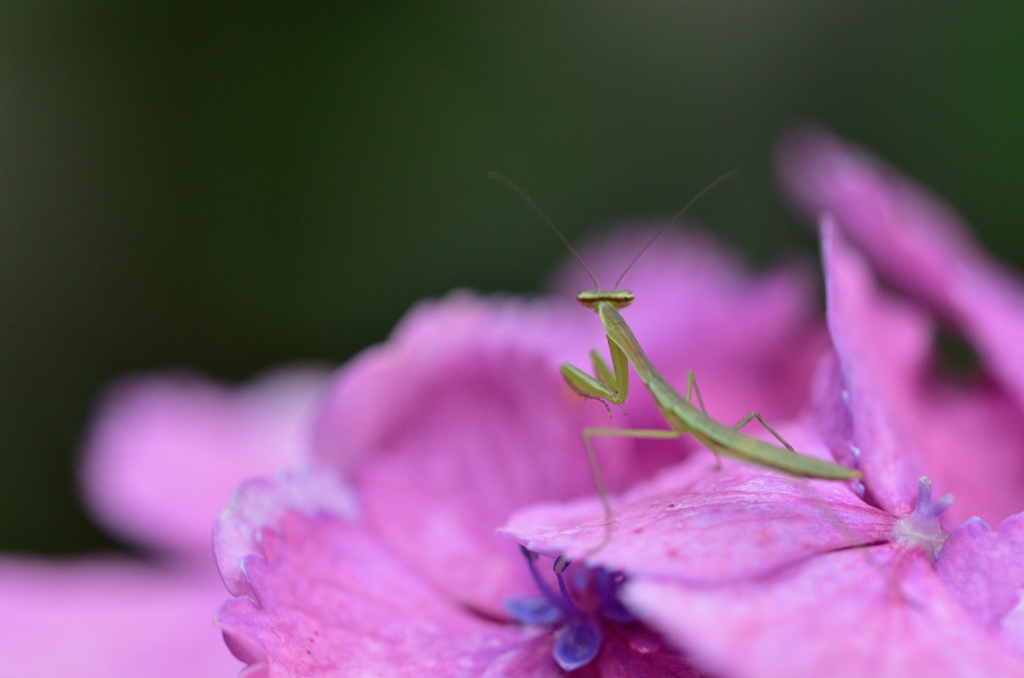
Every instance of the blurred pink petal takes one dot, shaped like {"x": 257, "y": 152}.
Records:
{"x": 975, "y": 444}
{"x": 328, "y": 598}
{"x": 886, "y": 347}
{"x": 880, "y": 344}
{"x": 163, "y": 455}
{"x": 165, "y": 452}
{"x": 368, "y": 391}
{"x": 982, "y": 571}
{"x": 968, "y": 436}
{"x": 916, "y": 241}
{"x": 104, "y": 617}
{"x": 875, "y": 613}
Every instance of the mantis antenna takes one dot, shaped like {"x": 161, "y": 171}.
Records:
{"x": 720, "y": 180}
{"x": 522, "y": 194}
{"x": 511, "y": 184}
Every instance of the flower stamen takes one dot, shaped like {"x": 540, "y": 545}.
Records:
{"x": 583, "y": 602}
{"x": 921, "y": 528}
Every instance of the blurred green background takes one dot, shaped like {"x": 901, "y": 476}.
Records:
{"x": 229, "y": 186}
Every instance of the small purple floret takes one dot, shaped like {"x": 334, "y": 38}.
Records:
{"x": 577, "y": 643}
{"x": 577, "y": 608}
{"x": 922, "y": 527}
{"x": 536, "y": 611}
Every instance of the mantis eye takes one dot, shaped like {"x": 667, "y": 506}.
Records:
{"x": 617, "y": 298}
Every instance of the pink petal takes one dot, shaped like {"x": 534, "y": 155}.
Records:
{"x": 461, "y": 419}
{"x": 429, "y": 338}
{"x": 322, "y": 596}
{"x": 973, "y": 445}
{"x": 694, "y": 524}
{"x": 984, "y": 570}
{"x": 261, "y": 502}
{"x": 329, "y": 599}
{"x": 691, "y": 296}
{"x": 165, "y": 452}
{"x": 969, "y": 439}
{"x": 97, "y": 618}
{"x": 863, "y": 613}
{"x": 916, "y": 241}
{"x": 881, "y": 345}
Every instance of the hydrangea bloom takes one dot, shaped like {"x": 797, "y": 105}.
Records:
{"x": 457, "y": 421}
{"x": 386, "y": 560}
{"x": 758, "y": 587}
{"x": 163, "y": 455}
{"x": 752, "y": 573}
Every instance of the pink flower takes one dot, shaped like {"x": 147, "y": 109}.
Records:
{"x": 160, "y": 461}
{"x": 460, "y": 419}
{"x": 753, "y": 575}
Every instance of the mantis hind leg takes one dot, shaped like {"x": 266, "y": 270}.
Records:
{"x": 692, "y": 388}
{"x": 755, "y": 415}
{"x": 595, "y": 468}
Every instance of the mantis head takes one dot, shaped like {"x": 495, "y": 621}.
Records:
{"x": 617, "y": 298}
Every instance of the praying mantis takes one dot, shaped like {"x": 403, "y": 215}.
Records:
{"x": 611, "y": 385}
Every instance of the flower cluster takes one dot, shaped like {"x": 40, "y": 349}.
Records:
{"x": 437, "y": 517}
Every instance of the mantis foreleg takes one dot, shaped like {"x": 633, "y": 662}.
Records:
{"x": 611, "y": 383}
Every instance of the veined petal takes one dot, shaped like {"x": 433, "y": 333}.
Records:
{"x": 324, "y": 597}
{"x": 984, "y": 570}
{"x": 879, "y": 612}
{"x": 694, "y": 524}
{"x": 327, "y": 598}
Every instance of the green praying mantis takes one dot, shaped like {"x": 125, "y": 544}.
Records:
{"x": 611, "y": 385}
